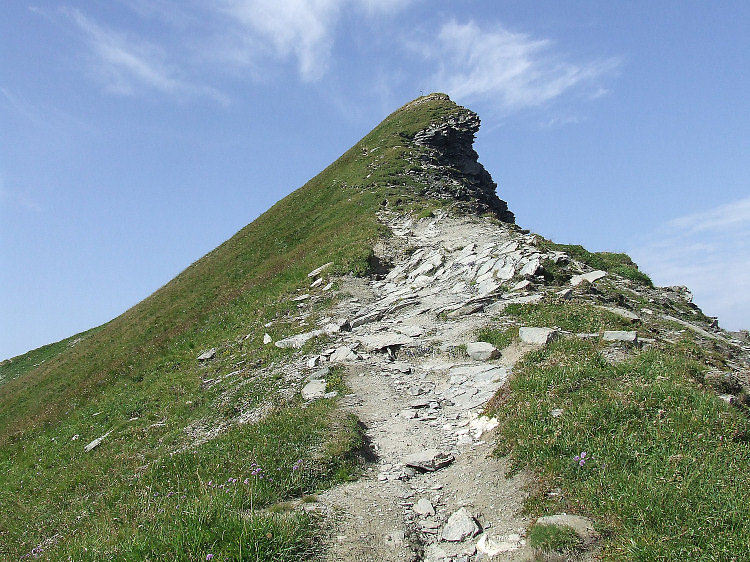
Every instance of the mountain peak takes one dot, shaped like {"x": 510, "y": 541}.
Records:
{"x": 442, "y": 161}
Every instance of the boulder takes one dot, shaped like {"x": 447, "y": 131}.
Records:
{"x": 207, "y": 355}
{"x": 492, "y": 546}
{"x": 482, "y": 351}
{"x": 298, "y": 340}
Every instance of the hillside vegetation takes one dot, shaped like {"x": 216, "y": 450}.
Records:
{"x": 177, "y": 431}
{"x": 137, "y": 378}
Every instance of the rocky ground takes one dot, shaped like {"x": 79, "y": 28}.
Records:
{"x": 418, "y": 381}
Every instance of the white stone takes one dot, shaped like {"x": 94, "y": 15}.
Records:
{"x": 376, "y": 342}
{"x": 492, "y": 546}
{"x": 317, "y": 282}
{"x": 482, "y": 351}
{"x": 616, "y": 335}
{"x": 460, "y": 526}
{"x": 591, "y": 276}
{"x": 624, "y": 313}
{"x": 267, "y": 339}
{"x": 299, "y": 340}
{"x": 537, "y": 336}
{"x": 424, "y": 507}
{"x": 207, "y": 355}
{"x": 521, "y": 285}
{"x": 314, "y": 389}
{"x": 95, "y": 443}
{"x": 482, "y": 424}
{"x": 531, "y": 268}
{"x": 343, "y": 354}
{"x": 319, "y": 270}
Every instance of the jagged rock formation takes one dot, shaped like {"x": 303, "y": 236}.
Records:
{"x": 450, "y": 166}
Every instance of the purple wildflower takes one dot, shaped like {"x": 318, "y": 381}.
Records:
{"x": 209, "y": 556}
{"x": 580, "y": 459}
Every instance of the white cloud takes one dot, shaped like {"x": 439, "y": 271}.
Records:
{"x": 511, "y": 70}
{"x": 734, "y": 214}
{"x": 710, "y": 253}
{"x": 126, "y": 65}
{"x": 303, "y": 30}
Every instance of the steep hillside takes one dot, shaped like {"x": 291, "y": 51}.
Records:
{"x": 137, "y": 378}
{"x": 384, "y": 367}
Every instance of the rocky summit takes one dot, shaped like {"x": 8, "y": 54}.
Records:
{"x": 384, "y": 367}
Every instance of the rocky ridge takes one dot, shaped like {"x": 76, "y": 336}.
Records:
{"x": 418, "y": 380}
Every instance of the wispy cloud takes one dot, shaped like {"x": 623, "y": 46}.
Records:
{"x": 303, "y": 30}
{"x": 709, "y": 252}
{"x": 731, "y": 215}
{"x": 511, "y": 70}
{"x": 127, "y": 65}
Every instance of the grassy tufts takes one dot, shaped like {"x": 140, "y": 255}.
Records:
{"x": 667, "y": 464}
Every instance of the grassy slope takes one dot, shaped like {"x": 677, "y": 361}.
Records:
{"x": 666, "y": 475}
{"x": 138, "y": 377}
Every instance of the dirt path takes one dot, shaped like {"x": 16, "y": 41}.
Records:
{"x": 418, "y": 393}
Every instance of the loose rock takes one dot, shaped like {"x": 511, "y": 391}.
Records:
{"x": 537, "y": 336}
{"x": 429, "y": 460}
{"x": 482, "y": 351}
{"x": 460, "y": 526}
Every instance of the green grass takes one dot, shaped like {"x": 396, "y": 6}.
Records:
{"x": 18, "y": 366}
{"x": 137, "y": 377}
{"x": 555, "y": 539}
{"x": 499, "y": 338}
{"x": 614, "y": 262}
{"x": 566, "y": 315}
{"x": 667, "y": 475}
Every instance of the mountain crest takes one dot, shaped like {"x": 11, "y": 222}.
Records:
{"x": 451, "y": 166}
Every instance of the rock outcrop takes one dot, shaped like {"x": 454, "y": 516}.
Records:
{"x": 450, "y": 166}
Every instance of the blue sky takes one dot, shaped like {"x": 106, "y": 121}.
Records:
{"x": 138, "y": 135}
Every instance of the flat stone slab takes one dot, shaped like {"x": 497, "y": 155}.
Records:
{"x": 461, "y": 525}
{"x": 314, "y": 389}
{"x": 622, "y": 312}
{"x": 482, "y": 351}
{"x": 591, "y": 276}
{"x": 537, "y": 336}
{"x": 620, "y": 336}
{"x": 429, "y": 460}
{"x": 298, "y": 340}
{"x": 376, "y": 342}
{"x": 492, "y": 546}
